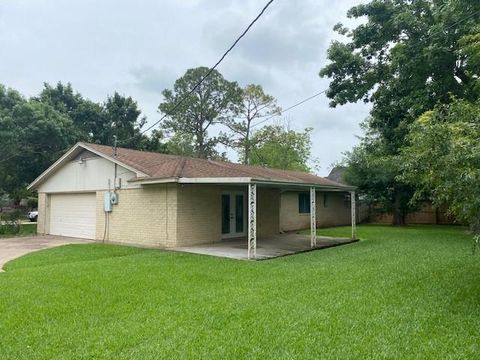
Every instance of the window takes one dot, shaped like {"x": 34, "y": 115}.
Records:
{"x": 325, "y": 200}
{"x": 304, "y": 203}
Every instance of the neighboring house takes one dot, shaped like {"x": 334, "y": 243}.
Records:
{"x": 337, "y": 174}
{"x": 169, "y": 201}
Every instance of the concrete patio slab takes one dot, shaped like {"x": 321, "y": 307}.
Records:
{"x": 11, "y": 248}
{"x": 279, "y": 245}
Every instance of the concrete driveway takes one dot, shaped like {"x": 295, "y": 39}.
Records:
{"x": 11, "y": 248}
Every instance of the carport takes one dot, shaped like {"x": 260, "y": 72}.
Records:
{"x": 295, "y": 241}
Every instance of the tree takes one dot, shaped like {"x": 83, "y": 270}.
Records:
{"x": 35, "y": 132}
{"x": 405, "y": 59}
{"x": 255, "y": 105}
{"x": 368, "y": 167}
{"x": 122, "y": 119}
{"x": 40, "y": 135}
{"x": 215, "y": 101}
{"x": 279, "y": 147}
{"x": 442, "y": 159}
{"x": 9, "y": 137}
{"x": 181, "y": 144}
{"x": 99, "y": 123}
{"x": 86, "y": 115}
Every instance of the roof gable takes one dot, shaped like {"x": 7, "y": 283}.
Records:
{"x": 78, "y": 151}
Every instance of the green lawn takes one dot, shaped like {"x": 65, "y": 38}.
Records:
{"x": 399, "y": 293}
{"x": 25, "y": 230}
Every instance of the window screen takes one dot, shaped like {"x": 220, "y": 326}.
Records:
{"x": 304, "y": 203}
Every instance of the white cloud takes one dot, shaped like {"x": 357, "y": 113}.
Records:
{"x": 139, "y": 48}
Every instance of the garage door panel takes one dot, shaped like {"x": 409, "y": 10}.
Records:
{"x": 73, "y": 215}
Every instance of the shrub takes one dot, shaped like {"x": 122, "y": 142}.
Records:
{"x": 10, "y": 222}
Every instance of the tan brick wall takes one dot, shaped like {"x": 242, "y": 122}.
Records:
{"x": 167, "y": 215}
{"x": 199, "y": 214}
{"x": 145, "y": 216}
{"x": 268, "y": 212}
{"x": 336, "y": 212}
{"x": 43, "y": 214}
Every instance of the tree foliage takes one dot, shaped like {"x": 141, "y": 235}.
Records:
{"x": 191, "y": 115}
{"x": 279, "y": 147}
{"x": 255, "y": 105}
{"x": 375, "y": 172}
{"x": 404, "y": 59}
{"x": 442, "y": 159}
{"x": 32, "y": 136}
{"x": 37, "y": 131}
{"x": 99, "y": 122}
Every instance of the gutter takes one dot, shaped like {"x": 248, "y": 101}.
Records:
{"x": 238, "y": 180}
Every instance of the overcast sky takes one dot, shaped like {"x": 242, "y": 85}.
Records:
{"x": 139, "y": 48}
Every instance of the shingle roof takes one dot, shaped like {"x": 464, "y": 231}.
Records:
{"x": 157, "y": 165}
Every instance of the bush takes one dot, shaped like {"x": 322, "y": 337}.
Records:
{"x": 10, "y": 223}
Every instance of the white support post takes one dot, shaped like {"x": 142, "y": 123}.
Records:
{"x": 313, "y": 218}
{"x": 252, "y": 221}
{"x": 354, "y": 217}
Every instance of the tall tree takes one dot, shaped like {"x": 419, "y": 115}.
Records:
{"x": 255, "y": 106}
{"x": 404, "y": 59}
{"x": 279, "y": 147}
{"x": 99, "y": 123}
{"x": 9, "y": 137}
{"x": 37, "y": 135}
{"x": 37, "y": 131}
{"x": 122, "y": 119}
{"x": 86, "y": 115}
{"x": 215, "y": 101}
{"x": 369, "y": 167}
{"x": 442, "y": 159}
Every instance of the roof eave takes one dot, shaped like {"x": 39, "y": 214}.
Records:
{"x": 238, "y": 181}
{"x": 305, "y": 184}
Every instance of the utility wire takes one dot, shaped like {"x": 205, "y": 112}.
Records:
{"x": 207, "y": 74}
{"x": 290, "y": 107}
{"x": 325, "y": 90}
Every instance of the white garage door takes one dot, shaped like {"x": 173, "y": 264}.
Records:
{"x": 73, "y": 215}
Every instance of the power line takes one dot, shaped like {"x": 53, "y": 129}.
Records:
{"x": 207, "y": 74}
{"x": 291, "y": 107}
{"x": 325, "y": 90}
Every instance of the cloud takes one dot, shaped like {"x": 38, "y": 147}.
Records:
{"x": 141, "y": 49}
{"x": 282, "y": 37}
{"x": 151, "y": 79}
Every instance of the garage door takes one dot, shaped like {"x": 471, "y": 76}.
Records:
{"x": 73, "y": 215}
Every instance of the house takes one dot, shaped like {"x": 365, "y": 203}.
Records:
{"x": 158, "y": 200}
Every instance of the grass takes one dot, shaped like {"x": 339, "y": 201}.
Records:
{"x": 409, "y": 292}
{"x": 25, "y": 230}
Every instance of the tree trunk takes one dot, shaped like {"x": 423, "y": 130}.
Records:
{"x": 246, "y": 159}
{"x": 398, "y": 214}
{"x": 201, "y": 151}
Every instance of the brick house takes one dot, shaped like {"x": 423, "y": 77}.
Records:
{"x": 159, "y": 200}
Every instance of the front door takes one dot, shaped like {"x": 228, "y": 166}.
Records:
{"x": 233, "y": 214}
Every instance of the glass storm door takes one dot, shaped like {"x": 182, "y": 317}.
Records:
{"x": 233, "y": 214}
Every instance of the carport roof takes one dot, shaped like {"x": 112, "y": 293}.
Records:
{"x": 153, "y": 167}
